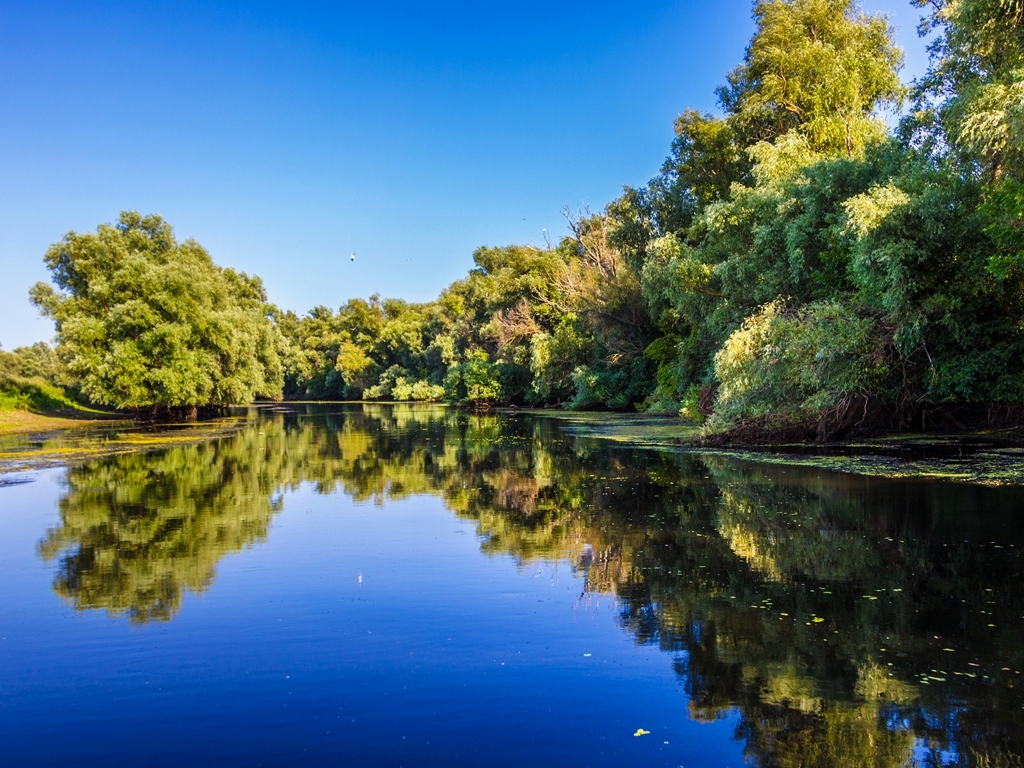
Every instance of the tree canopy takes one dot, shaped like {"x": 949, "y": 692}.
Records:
{"x": 795, "y": 266}
{"x": 147, "y": 323}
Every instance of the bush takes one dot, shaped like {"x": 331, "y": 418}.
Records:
{"x": 34, "y": 394}
{"x": 398, "y": 384}
{"x": 420, "y": 390}
{"x": 475, "y": 382}
{"x": 804, "y": 367}
{"x": 617, "y": 387}
{"x": 691, "y": 409}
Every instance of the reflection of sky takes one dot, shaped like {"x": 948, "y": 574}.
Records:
{"x": 437, "y": 654}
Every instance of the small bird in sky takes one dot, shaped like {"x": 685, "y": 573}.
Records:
{"x": 353, "y": 257}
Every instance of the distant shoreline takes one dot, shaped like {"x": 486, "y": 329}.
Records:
{"x": 990, "y": 458}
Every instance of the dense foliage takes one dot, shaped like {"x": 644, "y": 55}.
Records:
{"x": 527, "y": 325}
{"x": 30, "y": 379}
{"x": 147, "y": 323}
{"x": 819, "y": 272}
{"x": 795, "y": 267}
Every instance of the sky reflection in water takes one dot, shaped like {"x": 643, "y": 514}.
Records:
{"x": 311, "y": 590}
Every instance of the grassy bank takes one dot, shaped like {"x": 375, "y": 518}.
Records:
{"x": 33, "y": 441}
{"x": 29, "y": 405}
{"x": 28, "y": 422}
{"x": 18, "y": 393}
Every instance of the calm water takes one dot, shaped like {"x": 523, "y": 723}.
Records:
{"x": 398, "y": 585}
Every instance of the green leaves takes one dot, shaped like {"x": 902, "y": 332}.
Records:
{"x": 817, "y": 67}
{"x": 146, "y": 323}
{"x": 807, "y": 365}
{"x": 975, "y": 84}
{"x": 1004, "y": 210}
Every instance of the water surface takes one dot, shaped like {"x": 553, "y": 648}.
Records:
{"x": 413, "y": 585}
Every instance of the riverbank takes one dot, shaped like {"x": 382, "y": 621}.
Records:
{"x": 32, "y": 440}
{"x": 981, "y": 457}
{"x": 30, "y": 422}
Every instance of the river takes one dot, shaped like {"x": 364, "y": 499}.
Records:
{"x": 416, "y": 585}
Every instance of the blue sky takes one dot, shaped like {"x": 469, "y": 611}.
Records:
{"x": 285, "y": 136}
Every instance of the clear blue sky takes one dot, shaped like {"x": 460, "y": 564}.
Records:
{"x": 284, "y": 136}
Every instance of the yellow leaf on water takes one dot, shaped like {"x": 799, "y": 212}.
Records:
{"x": 641, "y": 732}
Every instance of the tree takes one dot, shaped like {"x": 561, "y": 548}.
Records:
{"x": 970, "y": 112}
{"x": 821, "y": 67}
{"x": 152, "y": 325}
{"x": 975, "y": 85}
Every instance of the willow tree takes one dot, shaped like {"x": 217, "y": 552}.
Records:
{"x": 706, "y": 234}
{"x": 971, "y": 109}
{"x": 148, "y": 324}
{"x": 975, "y": 85}
{"x": 821, "y": 67}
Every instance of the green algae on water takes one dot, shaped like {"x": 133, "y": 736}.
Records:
{"x": 32, "y": 451}
{"x": 928, "y": 457}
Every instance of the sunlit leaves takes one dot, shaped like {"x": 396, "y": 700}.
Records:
{"x": 144, "y": 322}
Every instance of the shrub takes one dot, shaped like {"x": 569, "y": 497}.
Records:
{"x": 797, "y": 367}
{"x": 475, "y": 382}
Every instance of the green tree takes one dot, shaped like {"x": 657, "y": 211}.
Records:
{"x": 970, "y": 111}
{"x": 153, "y": 325}
{"x": 820, "y": 67}
{"x": 31, "y": 379}
{"x": 37, "y": 361}
{"x": 806, "y": 367}
{"x": 975, "y": 85}
{"x": 477, "y": 381}
{"x": 719, "y": 233}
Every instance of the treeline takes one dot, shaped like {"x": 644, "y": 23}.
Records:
{"x": 563, "y": 325}
{"x": 795, "y": 268}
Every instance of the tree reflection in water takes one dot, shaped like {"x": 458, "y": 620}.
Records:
{"x": 849, "y": 621}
